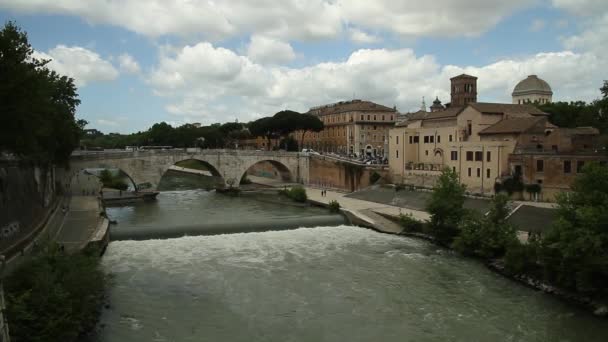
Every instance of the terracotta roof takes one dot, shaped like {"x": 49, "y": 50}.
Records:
{"x": 581, "y": 131}
{"x": 350, "y": 106}
{"x": 512, "y": 125}
{"x": 450, "y": 112}
{"x": 507, "y": 109}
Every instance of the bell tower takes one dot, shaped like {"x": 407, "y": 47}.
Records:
{"x": 463, "y": 90}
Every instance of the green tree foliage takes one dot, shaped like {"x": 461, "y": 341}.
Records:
{"x": 308, "y": 123}
{"x": 574, "y": 251}
{"x": 334, "y": 206}
{"x": 54, "y": 297}
{"x": 297, "y": 193}
{"x": 410, "y": 224}
{"x": 446, "y": 206}
{"x": 264, "y": 127}
{"x": 37, "y": 105}
{"x": 486, "y": 236}
{"x": 112, "y": 181}
{"x": 289, "y": 144}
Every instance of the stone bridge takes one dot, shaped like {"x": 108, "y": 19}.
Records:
{"x": 230, "y": 165}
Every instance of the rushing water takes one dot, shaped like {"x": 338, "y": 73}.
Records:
{"x": 338, "y": 283}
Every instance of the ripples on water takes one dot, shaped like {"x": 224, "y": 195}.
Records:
{"x": 322, "y": 284}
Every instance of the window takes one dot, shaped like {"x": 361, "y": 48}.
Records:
{"x": 454, "y": 169}
{"x": 374, "y": 128}
{"x": 391, "y": 118}
{"x": 362, "y": 117}
{"x": 439, "y": 139}
{"x": 567, "y": 166}
{"x": 368, "y": 117}
{"x": 416, "y": 139}
{"x": 426, "y": 152}
{"x": 469, "y": 172}
{"x": 478, "y": 172}
{"x": 374, "y": 118}
{"x": 454, "y": 155}
{"x": 579, "y": 166}
{"x": 488, "y": 156}
{"x": 469, "y": 155}
{"x": 411, "y": 140}
{"x": 426, "y": 139}
{"x": 469, "y": 127}
{"x": 432, "y": 139}
{"x": 397, "y": 138}
{"x": 478, "y": 156}
{"x": 382, "y": 117}
{"x": 540, "y": 165}
{"x": 488, "y": 173}
{"x": 450, "y": 138}
{"x": 397, "y": 153}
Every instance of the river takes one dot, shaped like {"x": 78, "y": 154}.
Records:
{"x": 327, "y": 283}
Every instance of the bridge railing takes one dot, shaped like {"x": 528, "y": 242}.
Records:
{"x": 93, "y": 155}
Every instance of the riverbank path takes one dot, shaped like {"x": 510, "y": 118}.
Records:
{"x": 83, "y": 213}
{"x": 372, "y": 212}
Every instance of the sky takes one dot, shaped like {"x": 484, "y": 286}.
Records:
{"x": 138, "y": 62}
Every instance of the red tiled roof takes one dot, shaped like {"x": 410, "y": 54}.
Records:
{"x": 512, "y": 125}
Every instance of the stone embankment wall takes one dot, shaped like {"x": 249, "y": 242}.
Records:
{"x": 28, "y": 194}
{"x": 335, "y": 174}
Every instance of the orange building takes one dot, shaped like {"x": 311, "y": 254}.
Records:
{"x": 354, "y": 128}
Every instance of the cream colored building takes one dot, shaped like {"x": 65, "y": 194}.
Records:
{"x": 474, "y": 140}
{"x": 532, "y": 90}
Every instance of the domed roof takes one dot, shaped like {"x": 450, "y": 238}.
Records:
{"x": 532, "y": 85}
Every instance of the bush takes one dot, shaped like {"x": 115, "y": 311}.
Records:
{"x": 486, "y": 236}
{"x": 410, "y": 224}
{"x": 245, "y": 180}
{"x": 521, "y": 259}
{"x": 55, "y": 297}
{"x": 334, "y": 206}
{"x": 399, "y": 187}
{"x": 374, "y": 177}
{"x": 446, "y": 206}
{"x": 297, "y": 193}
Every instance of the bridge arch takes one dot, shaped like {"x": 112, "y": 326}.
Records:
{"x": 280, "y": 170}
{"x": 208, "y": 169}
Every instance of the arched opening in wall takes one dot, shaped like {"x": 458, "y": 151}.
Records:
{"x": 191, "y": 174}
{"x": 267, "y": 172}
{"x": 89, "y": 181}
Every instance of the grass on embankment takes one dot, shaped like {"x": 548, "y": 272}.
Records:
{"x": 55, "y": 296}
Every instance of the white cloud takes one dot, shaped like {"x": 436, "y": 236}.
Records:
{"x": 286, "y": 19}
{"x": 266, "y": 50}
{"x": 362, "y": 37}
{"x": 128, "y": 64}
{"x": 593, "y": 19}
{"x": 582, "y": 7}
{"x": 104, "y": 122}
{"x": 537, "y": 25}
{"x": 83, "y": 65}
{"x": 229, "y": 85}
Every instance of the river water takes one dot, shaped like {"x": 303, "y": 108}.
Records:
{"x": 327, "y": 283}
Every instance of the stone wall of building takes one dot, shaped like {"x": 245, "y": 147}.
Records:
{"x": 331, "y": 173}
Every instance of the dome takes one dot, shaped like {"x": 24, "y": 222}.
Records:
{"x": 532, "y": 85}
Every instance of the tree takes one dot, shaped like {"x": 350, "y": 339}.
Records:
{"x": 574, "y": 252}
{"x": 487, "y": 236}
{"x": 604, "y": 89}
{"x": 37, "y": 105}
{"x": 308, "y": 123}
{"x": 446, "y": 206}
{"x": 263, "y": 127}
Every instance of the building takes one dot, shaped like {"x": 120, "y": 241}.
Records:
{"x": 354, "y": 128}
{"x": 463, "y": 90}
{"x": 487, "y": 143}
{"x": 532, "y": 90}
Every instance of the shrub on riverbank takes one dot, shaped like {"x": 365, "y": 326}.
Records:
{"x": 112, "y": 181}
{"x": 55, "y": 296}
{"x": 486, "y": 236}
{"x": 446, "y": 207}
{"x": 334, "y": 206}
{"x": 297, "y": 193}
{"x": 410, "y": 224}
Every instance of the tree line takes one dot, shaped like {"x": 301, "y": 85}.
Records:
{"x": 228, "y": 135}
{"x": 37, "y": 105}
